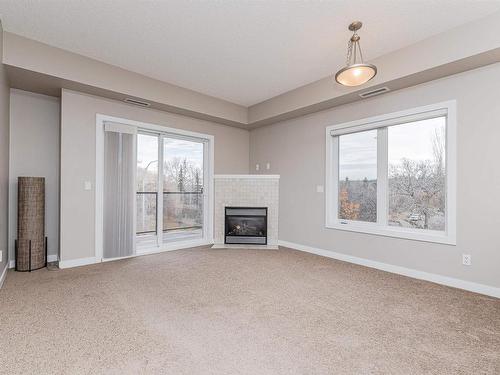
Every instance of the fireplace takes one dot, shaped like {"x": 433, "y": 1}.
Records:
{"x": 246, "y": 225}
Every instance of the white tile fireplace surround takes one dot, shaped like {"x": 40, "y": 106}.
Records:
{"x": 246, "y": 191}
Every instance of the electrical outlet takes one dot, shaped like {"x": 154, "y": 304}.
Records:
{"x": 268, "y": 166}
{"x": 466, "y": 259}
{"x": 320, "y": 189}
{"x": 87, "y": 185}
{"x": 257, "y": 167}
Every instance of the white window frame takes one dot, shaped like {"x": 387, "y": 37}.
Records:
{"x": 448, "y": 236}
{"x": 157, "y": 245}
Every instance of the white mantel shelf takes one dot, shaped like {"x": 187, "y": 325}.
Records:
{"x": 247, "y": 176}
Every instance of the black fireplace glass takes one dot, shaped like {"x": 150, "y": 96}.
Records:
{"x": 246, "y": 225}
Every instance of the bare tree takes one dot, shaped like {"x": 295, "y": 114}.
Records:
{"x": 417, "y": 188}
{"x": 181, "y": 175}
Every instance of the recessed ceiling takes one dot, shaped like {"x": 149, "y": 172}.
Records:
{"x": 241, "y": 51}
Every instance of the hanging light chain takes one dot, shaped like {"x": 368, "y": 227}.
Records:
{"x": 349, "y": 52}
{"x": 353, "y": 47}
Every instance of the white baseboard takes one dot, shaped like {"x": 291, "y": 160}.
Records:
{"x": 77, "y": 262}
{"x": 140, "y": 252}
{"x": 50, "y": 258}
{"x": 3, "y": 276}
{"x": 438, "y": 279}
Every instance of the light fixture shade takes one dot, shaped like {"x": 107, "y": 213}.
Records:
{"x": 356, "y": 74}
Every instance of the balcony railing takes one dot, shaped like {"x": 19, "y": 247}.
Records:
{"x": 182, "y": 210}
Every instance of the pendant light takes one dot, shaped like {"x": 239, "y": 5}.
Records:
{"x": 355, "y": 73}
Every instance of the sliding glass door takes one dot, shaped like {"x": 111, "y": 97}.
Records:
{"x": 153, "y": 188}
{"x": 183, "y": 182}
{"x": 170, "y": 187}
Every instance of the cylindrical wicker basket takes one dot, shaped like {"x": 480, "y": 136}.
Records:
{"x": 31, "y": 243}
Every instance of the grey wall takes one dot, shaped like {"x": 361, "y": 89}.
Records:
{"x": 34, "y": 151}
{"x": 4, "y": 158}
{"x": 296, "y": 151}
{"x": 78, "y": 154}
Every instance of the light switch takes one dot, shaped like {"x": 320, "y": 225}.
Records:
{"x": 320, "y": 189}
{"x": 87, "y": 185}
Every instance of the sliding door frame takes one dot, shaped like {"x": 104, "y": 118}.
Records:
{"x": 208, "y": 196}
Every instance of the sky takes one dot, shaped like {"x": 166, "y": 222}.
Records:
{"x": 358, "y": 151}
{"x": 147, "y": 151}
{"x": 176, "y": 148}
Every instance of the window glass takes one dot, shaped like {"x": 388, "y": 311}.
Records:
{"x": 417, "y": 174}
{"x": 147, "y": 183}
{"x": 182, "y": 189}
{"x": 358, "y": 176}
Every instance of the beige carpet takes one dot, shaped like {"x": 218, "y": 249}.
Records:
{"x": 202, "y": 311}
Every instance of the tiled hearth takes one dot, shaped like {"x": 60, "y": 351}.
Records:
{"x": 246, "y": 191}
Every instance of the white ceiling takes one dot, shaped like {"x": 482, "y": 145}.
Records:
{"x": 241, "y": 51}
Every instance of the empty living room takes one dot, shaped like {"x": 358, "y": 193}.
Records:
{"x": 249, "y": 187}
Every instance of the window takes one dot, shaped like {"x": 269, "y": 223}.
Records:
{"x": 394, "y": 175}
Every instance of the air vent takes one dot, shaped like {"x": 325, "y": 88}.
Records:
{"x": 368, "y": 94}
{"x": 136, "y": 102}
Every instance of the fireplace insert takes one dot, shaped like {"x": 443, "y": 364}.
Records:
{"x": 246, "y": 225}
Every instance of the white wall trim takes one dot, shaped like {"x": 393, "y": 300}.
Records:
{"x": 99, "y": 179}
{"x": 3, "y": 276}
{"x": 380, "y": 227}
{"x": 77, "y": 262}
{"x": 416, "y": 274}
{"x": 277, "y": 176}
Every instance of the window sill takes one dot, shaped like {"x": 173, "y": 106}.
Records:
{"x": 373, "y": 229}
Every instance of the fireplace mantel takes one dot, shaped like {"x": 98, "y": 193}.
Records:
{"x": 246, "y": 190}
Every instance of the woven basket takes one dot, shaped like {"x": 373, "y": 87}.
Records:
{"x": 30, "y": 224}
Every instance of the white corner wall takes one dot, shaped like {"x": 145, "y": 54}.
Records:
{"x": 34, "y": 151}
{"x": 295, "y": 150}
